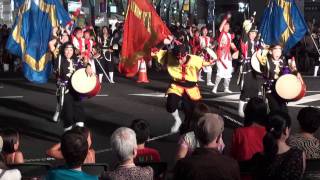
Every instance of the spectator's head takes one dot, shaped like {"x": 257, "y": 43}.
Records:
{"x": 209, "y": 130}
{"x": 124, "y": 143}
{"x": 309, "y": 119}
{"x": 85, "y": 132}
{"x": 142, "y": 130}
{"x": 255, "y": 111}
{"x": 199, "y": 110}
{"x": 10, "y": 141}
{"x": 2, "y": 160}
{"x": 278, "y": 129}
{"x": 74, "y": 148}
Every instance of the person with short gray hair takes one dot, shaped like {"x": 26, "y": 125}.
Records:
{"x": 124, "y": 144}
{"x": 207, "y": 161}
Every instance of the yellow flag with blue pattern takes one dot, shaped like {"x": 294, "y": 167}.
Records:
{"x": 31, "y": 34}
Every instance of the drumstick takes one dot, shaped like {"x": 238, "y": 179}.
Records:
{"x": 104, "y": 72}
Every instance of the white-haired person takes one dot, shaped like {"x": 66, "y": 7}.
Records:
{"x": 124, "y": 144}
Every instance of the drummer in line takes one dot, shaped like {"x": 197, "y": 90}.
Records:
{"x": 247, "y": 79}
{"x": 273, "y": 66}
{"x": 72, "y": 110}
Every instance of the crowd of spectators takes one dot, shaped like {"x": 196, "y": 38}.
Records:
{"x": 265, "y": 142}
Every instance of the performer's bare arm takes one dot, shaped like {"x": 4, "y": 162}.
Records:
{"x": 52, "y": 46}
{"x": 208, "y": 63}
{"x": 224, "y": 22}
{"x": 55, "y": 151}
{"x": 233, "y": 47}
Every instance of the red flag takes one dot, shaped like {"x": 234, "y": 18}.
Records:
{"x": 143, "y": 29}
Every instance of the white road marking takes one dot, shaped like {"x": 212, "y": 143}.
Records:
{"x": 233, "y": 92}
{"x": 10, "y": 97}
{"x": 306, "y": 99}
{"x": 102, "y": 95}
{"x": 157, "y": 94}
{"x": 234, "y": 98}
{"x": 311, "y": 76}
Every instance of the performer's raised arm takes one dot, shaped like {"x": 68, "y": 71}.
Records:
{"x": 224, "y": 21}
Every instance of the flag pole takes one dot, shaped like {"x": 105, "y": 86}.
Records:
{"x": 314, "y": 42}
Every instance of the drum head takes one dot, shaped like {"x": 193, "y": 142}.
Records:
{"x": 255, "y": 62}
{"x": 82, "y": 83}
{"x": 211, "y": 53}
{"x": 289, "y": 87}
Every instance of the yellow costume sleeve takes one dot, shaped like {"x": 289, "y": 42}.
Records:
{"x": 159, "y": 56}
{"x": 197, "y": 62}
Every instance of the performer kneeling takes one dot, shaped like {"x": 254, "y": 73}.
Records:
{"x": 183, "y": 69}
{"x": 72, "y": 110}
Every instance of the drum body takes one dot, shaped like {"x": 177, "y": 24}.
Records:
{"x": 88, "y": 86}
{"x": 290, "y": 87}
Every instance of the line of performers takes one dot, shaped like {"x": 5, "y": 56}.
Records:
{"x": 75, "y": 51}
{"x": 269, "y": 63}
{"x": 80, "y": 51}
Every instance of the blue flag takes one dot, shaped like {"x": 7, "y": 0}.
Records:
{"x": 31, "y": 34}
{"x": 282, "y": 23}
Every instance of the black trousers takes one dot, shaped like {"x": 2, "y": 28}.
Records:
{"x": 184, "y": 103}
{"x": 108, "y": 64}
{"x": 276, "y": 103}
{"x": 250, "y": 86}
{"x": 72, "y": 110}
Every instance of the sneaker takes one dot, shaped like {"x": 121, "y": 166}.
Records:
{"x": 55, "y": 117}
{"x": 200, "y": 79}
{"x": 175, "y": 127}
{"x": 227, "y": 91}
{"x": 210, "y": 84}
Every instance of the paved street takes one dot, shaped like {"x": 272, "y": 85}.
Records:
{"x": 29, "y": 108}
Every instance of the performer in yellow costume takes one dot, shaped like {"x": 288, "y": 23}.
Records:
{"x": 183, "y": 69}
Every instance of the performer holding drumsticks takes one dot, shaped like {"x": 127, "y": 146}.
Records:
{"x": 72, "y": 110}
{"x": 273, "y": 66}
{"x": 247, "y": 79}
